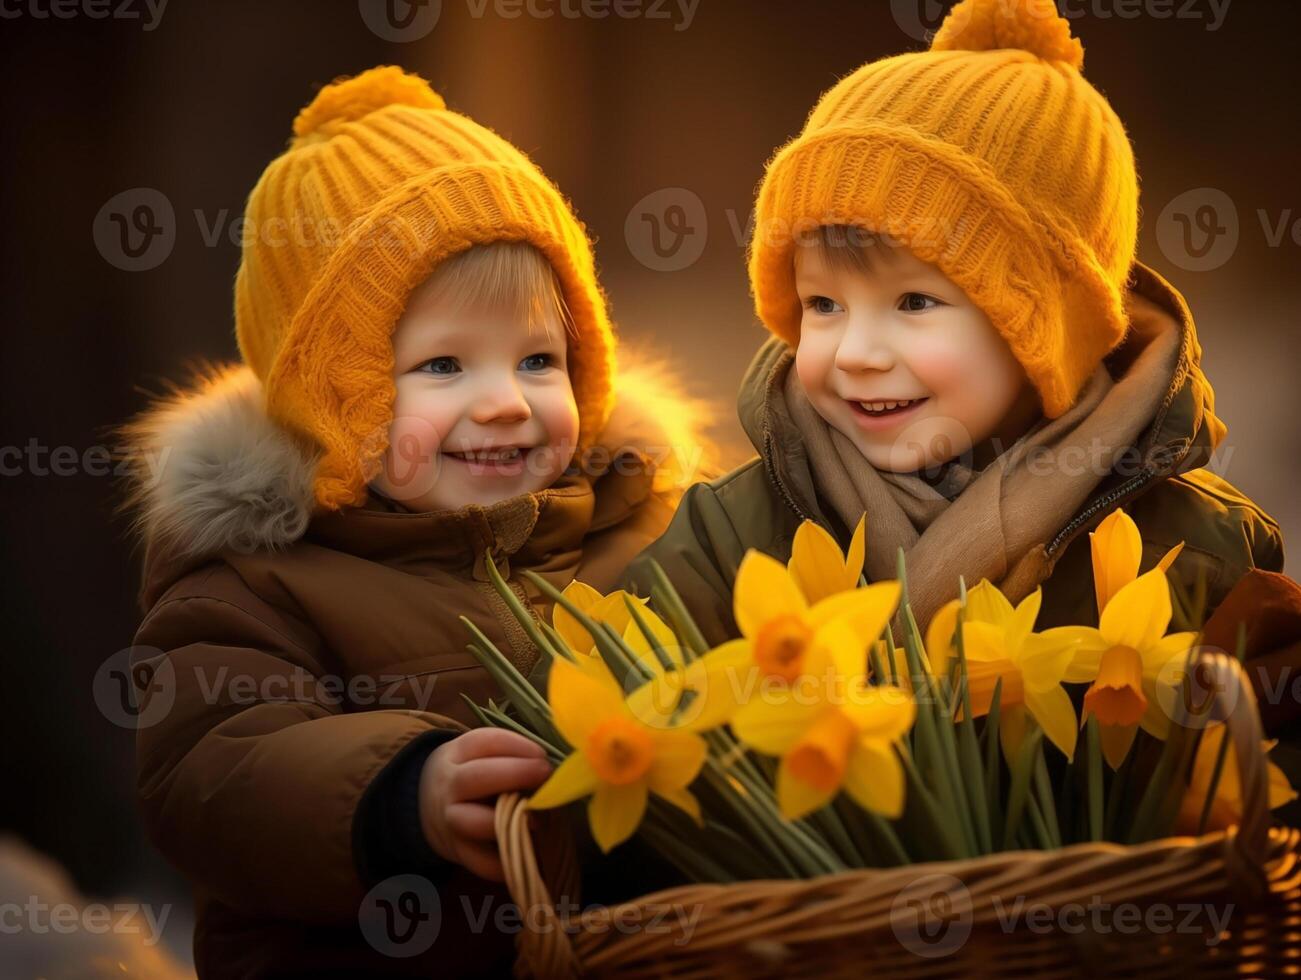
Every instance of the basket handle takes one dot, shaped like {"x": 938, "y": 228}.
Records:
{"x": 544, "y": 946}
{"x": 1233, "y": 701}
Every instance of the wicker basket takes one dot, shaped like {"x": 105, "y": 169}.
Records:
{"x": 1226, "y": 903}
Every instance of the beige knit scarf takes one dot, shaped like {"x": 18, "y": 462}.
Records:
{"x": 1000, "y": 518}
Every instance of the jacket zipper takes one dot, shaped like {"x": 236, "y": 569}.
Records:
{"x": 1102, "y": 503}
{"x": 776, "y": 480}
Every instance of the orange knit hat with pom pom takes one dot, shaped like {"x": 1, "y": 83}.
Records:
{"x": 379, "y": 184}
{"x": 988, "y": 156}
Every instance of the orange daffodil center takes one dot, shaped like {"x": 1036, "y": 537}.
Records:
{"x": 822, "y": 755}
{"x": 780, "y": 644}
{"x": 1116, "y": 696}
{"x": 620, "y": 750}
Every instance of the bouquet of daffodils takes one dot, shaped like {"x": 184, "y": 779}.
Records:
{"x": 819, "y": 740}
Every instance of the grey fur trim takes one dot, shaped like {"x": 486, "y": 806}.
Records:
{"x": 213, "y": 472}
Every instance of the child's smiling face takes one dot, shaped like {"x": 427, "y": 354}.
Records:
{"x": 484, "y": 409}
{"x": 880, "y": 326}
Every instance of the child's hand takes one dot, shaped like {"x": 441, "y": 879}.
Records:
{"x": 458, "y": 790}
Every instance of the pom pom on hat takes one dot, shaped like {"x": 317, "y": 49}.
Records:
{"x": 347, "y": 99}
{"x": 1029, "y": 25}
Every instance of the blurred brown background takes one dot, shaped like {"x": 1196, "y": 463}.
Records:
{"x": 683, "y": 100}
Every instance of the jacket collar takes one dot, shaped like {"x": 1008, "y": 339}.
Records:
{"x": 1182, "y": 435}
{"x": 528, "y": 528}
{"x": 213, "y": 473}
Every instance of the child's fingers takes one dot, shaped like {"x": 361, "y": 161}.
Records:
{"x": 480, "y": 742}
{"x": 482, "y": 860}
{"x": 480, "y": 778}
{"x": 472, "y": 821}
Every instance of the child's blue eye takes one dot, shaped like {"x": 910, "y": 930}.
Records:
{"x": 917, "y": 302}
{"x": 440, "y": 365}
{"x": 537, "y": 362}
{"x": 824, "y": 305}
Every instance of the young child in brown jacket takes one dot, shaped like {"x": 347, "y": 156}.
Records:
{"x": 428, "y": 378}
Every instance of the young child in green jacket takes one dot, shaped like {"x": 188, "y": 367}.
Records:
{"x": 964, "y": 346}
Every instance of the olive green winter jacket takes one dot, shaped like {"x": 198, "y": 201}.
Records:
{"x": 1172, "y": 498}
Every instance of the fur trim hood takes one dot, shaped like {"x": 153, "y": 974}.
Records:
{"x": 210, "y": 471}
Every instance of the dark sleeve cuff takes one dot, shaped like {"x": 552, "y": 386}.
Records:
{"x": 387, "y": 838}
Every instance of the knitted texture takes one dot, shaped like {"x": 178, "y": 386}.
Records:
{"x": 988, "y": 156}
{"x": 379, "y": 184}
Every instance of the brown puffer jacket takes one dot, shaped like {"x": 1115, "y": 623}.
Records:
{"x": 293, "y": 663}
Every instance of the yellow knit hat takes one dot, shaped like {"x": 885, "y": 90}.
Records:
{"x": 380, "y": 182}
{"x": 988, "y": 156}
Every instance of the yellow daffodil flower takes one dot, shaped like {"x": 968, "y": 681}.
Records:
{"x": 831, "y": 729}
{"x": 818, "y": 566}
{"x": 612, "y": 609}
{"x": 661, "y": 701}
{"x": 1132, "y": 665}
{"x": 1226, "y": 809}
{"x": 1117, "y": 548}
{"x": 800, "y": 675}
{"x": 618, "y": 758}
{"x": 778, "y": 625}
{"x": 1000, "y": 642}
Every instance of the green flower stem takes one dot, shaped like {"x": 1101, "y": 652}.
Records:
{"x": 815, "y": 849}
{"x": 1115, "y": 799}
{"x": 1093, "y": 755}
{"x": 931, "y": 809}
{"x": 690, "y": 860}
{"x": 889, "y": 639}
{"x": 1047, "y": 802}
{"x": 498, "y": 719}
{"x": 993, "y": 756}
{"x": 970, "y": 769}
{"x": 523, "y": 615}
{"x": 668, "y": 599}
{"x": 758, "y": 822}
{"x": 523, "y": 697}
{"x": 661, "y": 654}
{"x": 1040, "y": 834}
{"x": 1019, "y": 791}
{"x": 1164, "y": 790}
{"x": 937, "y": 746}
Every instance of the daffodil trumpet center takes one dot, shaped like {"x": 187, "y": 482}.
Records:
{"x": 779, "y": 648}
{"x": 822, "y": 754}
{"x": 982, "y": 678}
{"x": 620, "y": 751}
{"x": 1116, "y": 696}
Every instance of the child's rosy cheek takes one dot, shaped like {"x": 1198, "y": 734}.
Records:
{"x": 411, "y": 462}
{"x": 560, "y": 417}
{"x": 814, "y": 358}
{"x": 940, "y": 367}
